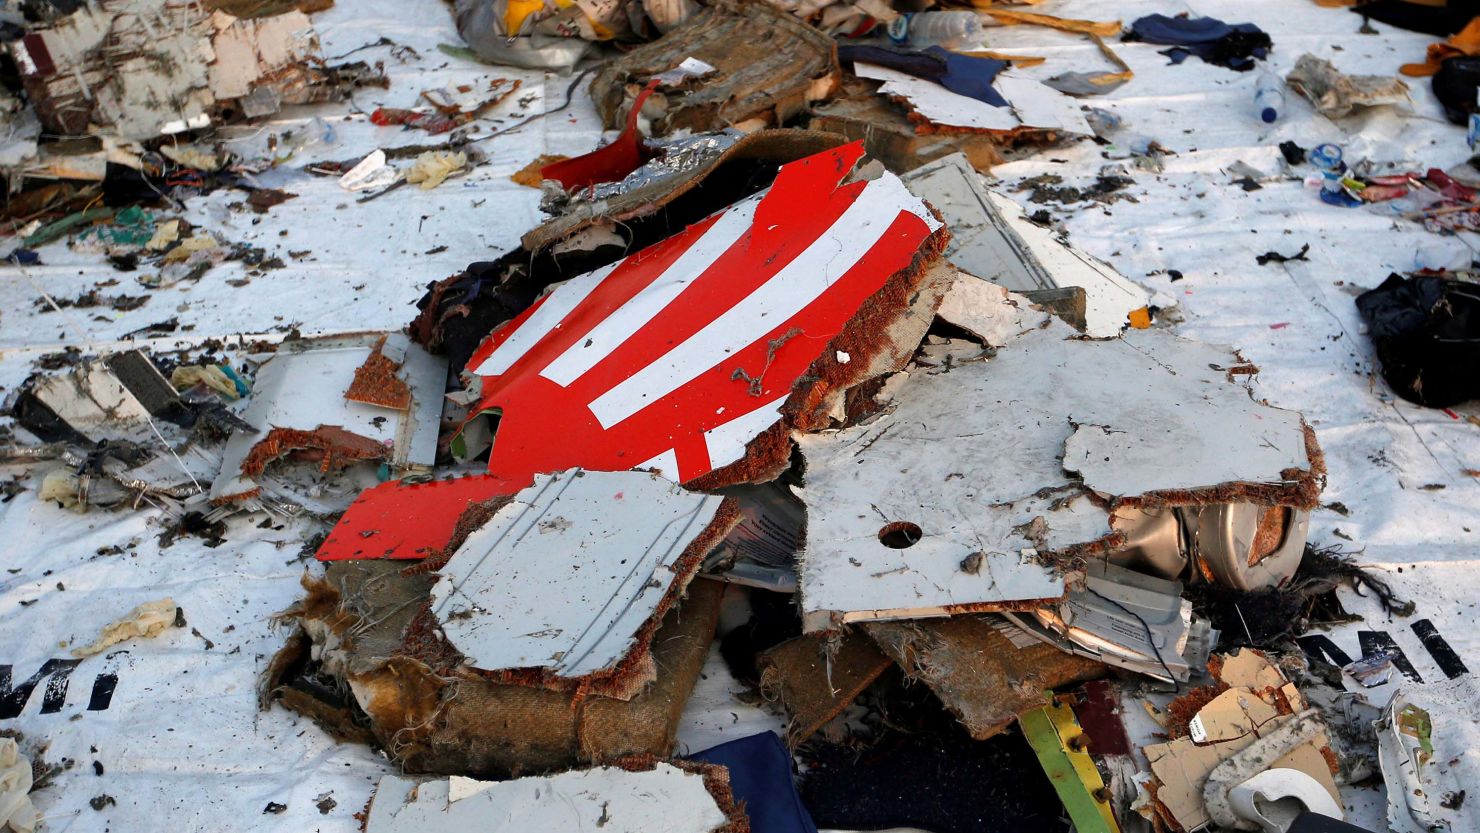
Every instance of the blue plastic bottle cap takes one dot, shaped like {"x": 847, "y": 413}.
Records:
{"x": 1325, "y": 157}
{"x": 1269, "y": 115}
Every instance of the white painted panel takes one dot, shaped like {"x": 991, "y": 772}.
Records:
{"x": 1108, "y": 295}
{"x": 302, "y": 387}
{"x": 975, "y": 455}
{"x": 1038, "y": 105}
{"x": 665, "y": 799}
{"x": 938, "y": 104}
{"x": 565, "y": 575}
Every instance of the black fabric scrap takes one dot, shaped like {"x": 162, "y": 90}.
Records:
{"x": 1441, "y": 21}
{"x": 1271, "y": 617}
{"x": 1294, "y": 154}
{"x": 774, "y": 619}
{"x": 1235, "y": 46}
{"x": 1427, "y": 333}
{"x": 1455, "y": 84}
{"x": 1276, "y": 257}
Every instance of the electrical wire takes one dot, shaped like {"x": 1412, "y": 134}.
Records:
{"x": 1150, "y": 639}
{"x": 570, "y": 95}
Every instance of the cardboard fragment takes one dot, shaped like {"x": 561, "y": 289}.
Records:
{"x": 1232, "y": 715}
{"x": 1231, "y": 722}
{"x": 976, "y": 670}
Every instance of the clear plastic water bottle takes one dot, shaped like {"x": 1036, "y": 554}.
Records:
{"x": 1269, "y": 97}
{"x": 952, "y": 30}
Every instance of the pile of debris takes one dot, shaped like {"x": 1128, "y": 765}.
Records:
{"x": 906, "y": 469}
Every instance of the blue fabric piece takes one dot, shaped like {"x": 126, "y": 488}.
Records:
{"x": 961, "y": 74}
{"x": 23, "y": 257}
{"x": 1235, "y": 46}
{"x": 1180, "y": 31}
{"x": 760, "y": 776}
{"x": 970, "y": 76}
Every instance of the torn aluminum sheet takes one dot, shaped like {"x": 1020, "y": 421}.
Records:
{"x": 145, "y": 68}
{"x": 661, "y": 799}
{"x": 17, "y": 813}
{"x": 678, "y": 157}
{"x": 572, "y": 575}
{"x": 1426, "y": 744}
{"x": 114, "y": 397}
{"x": 1335, "y": 94}
{"x": 298, "y": 400}
{"x": 1032, "y": 106}
{"x": 1260, "y": 713}
{"x": 964, "y": 496}
{"x": 1244, "y": 546}
{"x": 667, "y": 360}
{"x": 1126, "y": 619}
{"x": 768, "y": 67}
{"x": 993, "y": 240}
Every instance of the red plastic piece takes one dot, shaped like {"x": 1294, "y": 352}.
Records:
{"x": 608, "y": 164}
{"x": 405, "y": 520}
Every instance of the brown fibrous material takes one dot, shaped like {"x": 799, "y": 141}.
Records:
{"x": 376, "y": 382}
{"x": 334, "y": 447}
